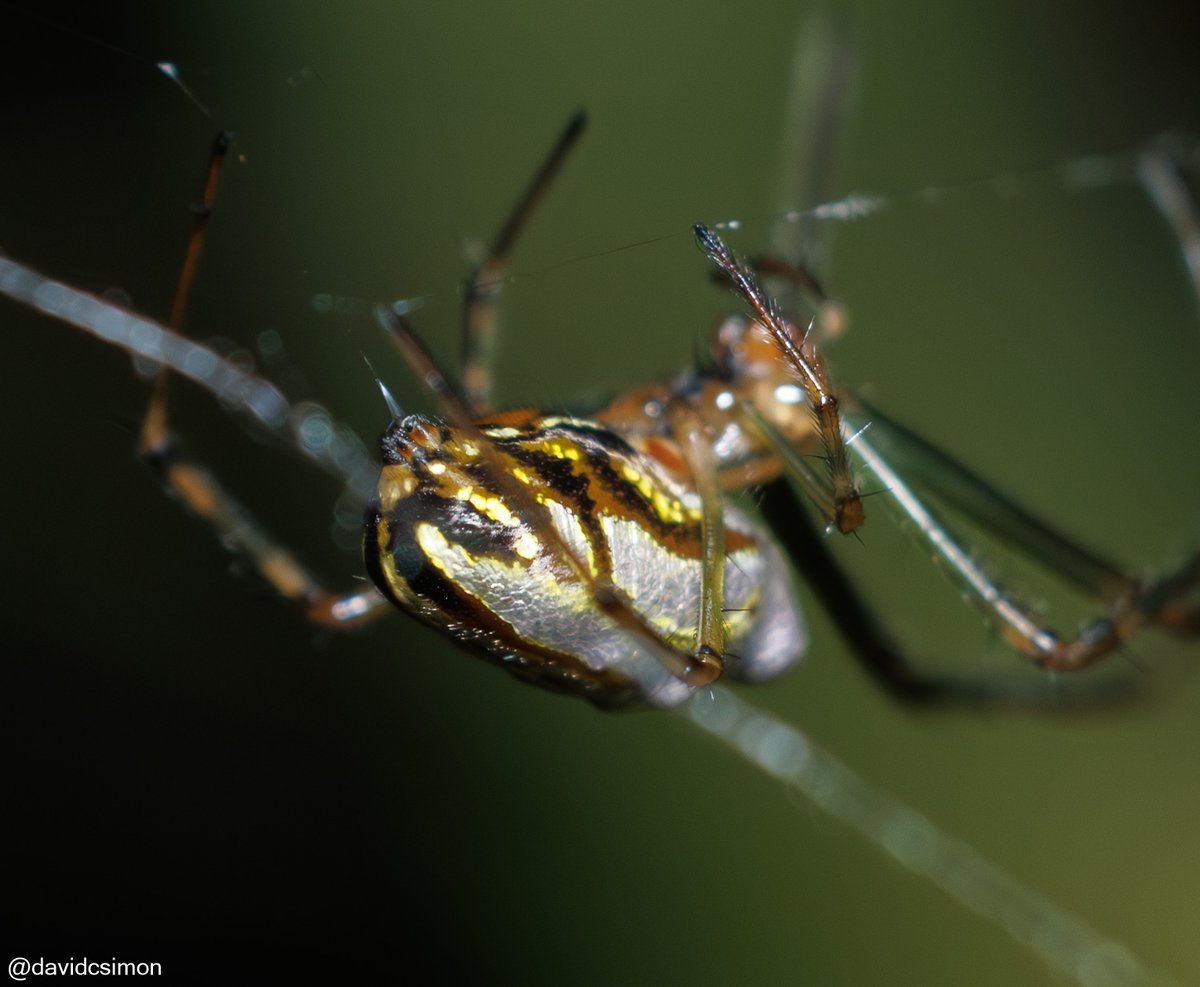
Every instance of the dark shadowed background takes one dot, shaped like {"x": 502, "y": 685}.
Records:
{"x": 196, "y": 777}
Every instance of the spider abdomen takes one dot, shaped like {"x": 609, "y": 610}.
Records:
{"x": 503, "y": 536}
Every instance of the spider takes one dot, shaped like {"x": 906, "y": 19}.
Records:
{"x": 875, "y": 511}
{"x": 597, "y": 555}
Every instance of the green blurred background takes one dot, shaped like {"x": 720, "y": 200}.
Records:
{"x": 196, "y": 776}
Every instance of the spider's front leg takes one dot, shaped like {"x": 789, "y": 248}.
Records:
{"x": 200, "y": 490}
{"x": 845, "y": 503}
{"x": 483, "y": 287}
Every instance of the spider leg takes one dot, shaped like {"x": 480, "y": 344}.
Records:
{"x": 805, "y": 361}
{"x": 697, "y": 451}
{"x": 1132, "y": 604}
{"x": 486, "y": 282}
{"x": 825, "y": 70}
{"x": 932, "y": 471}
{"x": 876, "y": 649}
{"x": 1160, "y": 171}
{"x": 154, "y": 432}
{"x": 199, "y": 489}
{"x": 255, "y": 399}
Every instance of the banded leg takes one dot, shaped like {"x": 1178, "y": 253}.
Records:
{"x": 199, "y": 489}
{"x": 154, "y": 425}
{"x": 485, "y": 284}
{"x": 204, "y": 495}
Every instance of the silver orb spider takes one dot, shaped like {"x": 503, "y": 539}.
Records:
{"x": 596, "y": 555}
{"x": 873, "y": 505}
